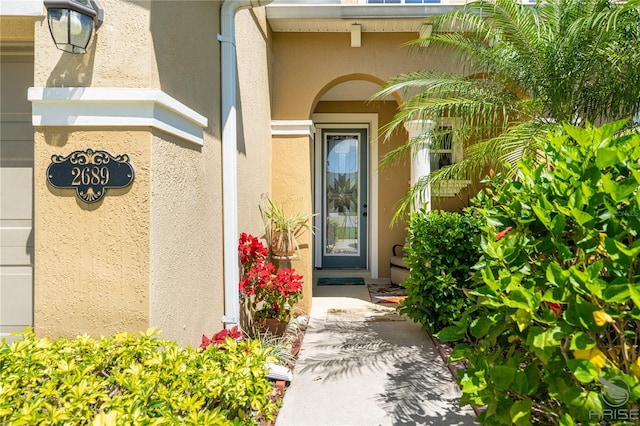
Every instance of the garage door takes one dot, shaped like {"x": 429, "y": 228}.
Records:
{"x": 16, "y": 190}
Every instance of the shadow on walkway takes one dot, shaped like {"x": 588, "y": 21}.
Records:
{"x": 361, "y": 369}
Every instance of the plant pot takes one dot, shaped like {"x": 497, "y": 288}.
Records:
{"x": 272, "y": 325}
{"x": 283, "y": 244}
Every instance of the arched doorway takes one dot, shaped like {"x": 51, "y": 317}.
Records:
{"x": 346, "y": 191}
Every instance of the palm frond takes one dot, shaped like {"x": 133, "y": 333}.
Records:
{"x": 532, "y": 68}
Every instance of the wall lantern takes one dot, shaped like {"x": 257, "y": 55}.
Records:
{"x": 71, "y": 22}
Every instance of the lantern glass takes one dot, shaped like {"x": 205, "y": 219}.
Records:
{"x": 71, "y": 30}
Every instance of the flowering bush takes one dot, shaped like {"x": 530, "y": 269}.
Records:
{"x": 269, "y": 293}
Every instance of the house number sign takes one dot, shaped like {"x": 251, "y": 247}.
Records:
{"x": 90, "y": 173}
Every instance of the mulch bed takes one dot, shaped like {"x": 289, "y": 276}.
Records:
{"x": 445, "y": 350}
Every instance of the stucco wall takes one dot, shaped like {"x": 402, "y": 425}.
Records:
{"x": 91, "y": 260}
{"x": 186, "y": 284}
{"x": 306, "y": 63}
{"x": 186, "y": 297}
{"x": 254, "y": 114}
{"x": 291, "y": 189}
{"x": 120, "y": 53}
{"x": 171, "y": 276}
{"x": 16, "y": 28}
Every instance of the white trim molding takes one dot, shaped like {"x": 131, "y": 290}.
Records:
{"x": 21, "y": 8}
{"x": 450, "y": 187}
{"x": 292, "y": 128}
{"x": 110, "y": 107}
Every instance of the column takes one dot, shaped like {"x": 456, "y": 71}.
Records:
{"x": 420, "y": 134}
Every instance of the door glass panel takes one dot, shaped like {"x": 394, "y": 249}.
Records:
{"x": 342, "y": 174}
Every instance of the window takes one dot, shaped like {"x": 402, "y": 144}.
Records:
{"x": 443, "y": 154}
{"x": 402, "y": 1}
{"x": 446, "y": 152}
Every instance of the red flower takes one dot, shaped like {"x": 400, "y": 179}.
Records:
{"x": 502, "y": 233}
{"x": 205, "y": 341}
{"x": 235, "y": 333}
{"x": 269, "y": 293}
{"x": 220, "y": 337}
{"x": 556, "y": 308}
{"x": 251, "y": 250}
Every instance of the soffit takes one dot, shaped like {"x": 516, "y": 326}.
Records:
{"x": 339, "y": 18}
{"x": 344, "y": 25}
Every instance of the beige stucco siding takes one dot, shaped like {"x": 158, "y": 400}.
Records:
{"x": 185, "y": 295}
{"x": 305, "y": 64}
{"x": 16, "y": 28}
{"x": 186, "y": 281}
{"x": 185, "y": 55}
{"x": 254, "y": 114}
{"x": 150, "y": 255}
{"x": 91, "y": 260}
{"x": 292, "y": 165}
{"x": 120, "y": 56}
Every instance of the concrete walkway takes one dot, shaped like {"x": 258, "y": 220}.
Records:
{"x": 361, "y": 364}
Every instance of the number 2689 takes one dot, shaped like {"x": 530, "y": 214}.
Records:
{"x": 89, "y": 175}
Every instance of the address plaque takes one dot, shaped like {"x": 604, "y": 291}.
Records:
{"x": 90, "y": 173}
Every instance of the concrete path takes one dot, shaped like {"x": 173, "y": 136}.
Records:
{"x": 362, "y": 365}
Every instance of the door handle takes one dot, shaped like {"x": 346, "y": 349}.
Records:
{"x": 364, "y": 214}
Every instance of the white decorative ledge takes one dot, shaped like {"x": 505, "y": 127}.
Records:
{"x": 292, "y": 128}
{"x": 451, "y": 187}
{"x": 111, "y": 107}
{"x": 21, "y": 8}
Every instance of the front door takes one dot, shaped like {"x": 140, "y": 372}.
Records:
{"x": 344, "y": 198}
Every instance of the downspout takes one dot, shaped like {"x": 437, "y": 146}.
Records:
{"x": 229, "y": 80}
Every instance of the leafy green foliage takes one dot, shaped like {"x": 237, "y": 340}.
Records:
{"x": 440, "y": 255}
{"x": 127, "y": 380}
{"x": 558, "y": 280}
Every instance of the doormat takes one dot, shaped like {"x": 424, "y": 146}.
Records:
{"x": 387, "y": 294}
{"x": 341, "y": 281}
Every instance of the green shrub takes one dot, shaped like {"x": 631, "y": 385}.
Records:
{"x": 554, "y": 339}
{"x": 127, "y": 380}
{"x": 440, "y": 255}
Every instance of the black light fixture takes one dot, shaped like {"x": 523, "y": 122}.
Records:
{"x": 71, "y": 22}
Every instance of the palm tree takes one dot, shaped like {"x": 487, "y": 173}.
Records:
{"x": 524, "y": 70}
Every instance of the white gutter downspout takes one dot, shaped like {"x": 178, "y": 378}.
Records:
{"x": 229, "y": 156}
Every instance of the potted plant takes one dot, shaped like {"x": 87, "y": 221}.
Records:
{"x": 281, "y": 230}
{"x": 269, "y": 294}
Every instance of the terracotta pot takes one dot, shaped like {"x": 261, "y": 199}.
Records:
{"x": 272, "y": 325}
{"x": 283, "y": 244}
